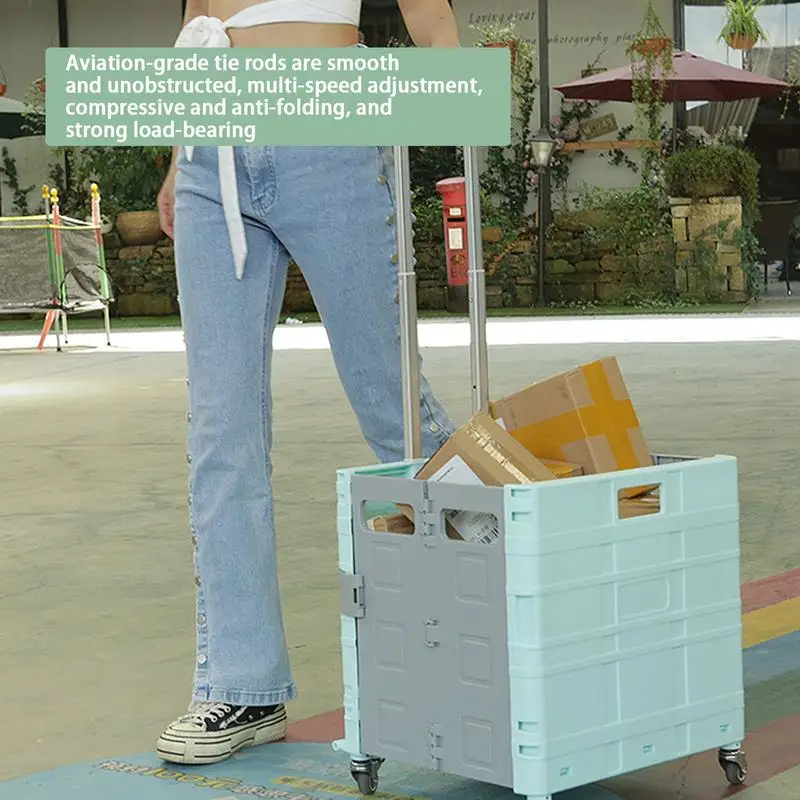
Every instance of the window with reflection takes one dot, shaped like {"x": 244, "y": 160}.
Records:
{"x": 771, "y": 128}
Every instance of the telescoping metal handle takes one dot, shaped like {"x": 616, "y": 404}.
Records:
{"x": 409, "y": 342}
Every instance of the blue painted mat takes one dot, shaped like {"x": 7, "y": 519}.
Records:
{"x": 297, "y": 771}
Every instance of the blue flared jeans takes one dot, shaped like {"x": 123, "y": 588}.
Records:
{"x": 332, "y": 211}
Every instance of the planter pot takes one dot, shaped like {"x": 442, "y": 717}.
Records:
{"x": 739, "y": 42}
{"x": 511, "y": 46}
{"x": 3, "y": 88}
{"x": 139, "y": 227}
{"x": 653, "y": 47}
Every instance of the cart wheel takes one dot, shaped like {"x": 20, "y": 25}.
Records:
{"x": 734, "y": 774}
{"x": 367, "y": 784}
{"x": 365, "y": 774}
{"x": 734, "y": 764}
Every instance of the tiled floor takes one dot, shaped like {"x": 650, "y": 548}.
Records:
{"x": 95, "y": 557}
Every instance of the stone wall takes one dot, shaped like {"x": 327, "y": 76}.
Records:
{"x": 579, "y": 268}
{"x": 584, "y": 268}
{"x": 144, "y": 282}
{"x": 143, "y": 277}
{"x": 708, "y": 261}
{"x": 510, "y": 280}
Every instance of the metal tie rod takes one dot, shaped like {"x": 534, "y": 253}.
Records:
{"x": 407, "y": 297}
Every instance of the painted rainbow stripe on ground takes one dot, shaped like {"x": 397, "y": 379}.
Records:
{"x": 771, "y": 627}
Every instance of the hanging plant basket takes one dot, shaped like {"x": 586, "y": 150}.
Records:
{"x": 40, "y": 85}
{"x": 654, "y": 46}
{"x": 737, "y": 41}
{"x": 3, "y": 89}
{"x": 742, "y": 30}
{"x": 510, "y": 45}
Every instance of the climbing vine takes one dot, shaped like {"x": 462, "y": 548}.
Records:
{"x": 507, "y": 178}
{"x": 651, "y": 64}
{"x": 19, "y": 203}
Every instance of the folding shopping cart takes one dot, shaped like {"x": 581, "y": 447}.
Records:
{"x": 577, "y": 646}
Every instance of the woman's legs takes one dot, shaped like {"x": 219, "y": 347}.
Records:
{"x": 335, "y": 214}
{"x": 333, "y": 209}
{"x": 242, "y": 659}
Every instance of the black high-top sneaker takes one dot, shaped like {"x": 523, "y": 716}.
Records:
{"x": 211, "y": 732}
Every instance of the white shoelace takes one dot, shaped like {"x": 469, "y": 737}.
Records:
{"x": 201, "y": 712}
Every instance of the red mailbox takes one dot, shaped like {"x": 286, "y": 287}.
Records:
{"x": 453, "y": 192}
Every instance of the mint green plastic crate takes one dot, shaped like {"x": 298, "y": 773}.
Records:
{"x": 577, "y": 647}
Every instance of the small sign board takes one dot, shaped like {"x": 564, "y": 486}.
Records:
{"x": 599, "y": 126}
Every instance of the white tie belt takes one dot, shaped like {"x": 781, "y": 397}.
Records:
{"x": 212, "y": 32}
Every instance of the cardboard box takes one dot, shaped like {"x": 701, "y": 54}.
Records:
{"x": 562, "y": 469}
{"x": 584, "y": 416}
{"x": 639, "y": 506}
{"x": 397, "y": 523}
{"x": 480, "y": 453}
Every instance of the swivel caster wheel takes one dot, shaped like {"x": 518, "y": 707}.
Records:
{"x": 734, "y": 765}
{"x": 365, "y": 774}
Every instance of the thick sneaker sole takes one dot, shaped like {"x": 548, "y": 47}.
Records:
{"x": 211, "y": 748}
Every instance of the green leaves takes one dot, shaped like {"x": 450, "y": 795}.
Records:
{"x": 651, "y": 62}
{"x": 724, "y": 169}
{"x": 742, "y": 22}
{"x": 129, "y": 177}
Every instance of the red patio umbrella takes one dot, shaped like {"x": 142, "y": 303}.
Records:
{"x": 692, "y": 78}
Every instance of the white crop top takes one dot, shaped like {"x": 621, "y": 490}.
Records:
{"x": 213, "y": 32}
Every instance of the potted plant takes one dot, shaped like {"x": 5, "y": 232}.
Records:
{"x": 129, "y": 179}
{"x": 652, "y": 39}
{"x": 3, "y": 83}
{"x": 499, "y": 35}
{"x": 742, "y": 30}
{"x": 651, "y": 63}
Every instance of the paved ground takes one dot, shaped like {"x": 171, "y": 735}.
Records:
{"x": 95, "y": 558}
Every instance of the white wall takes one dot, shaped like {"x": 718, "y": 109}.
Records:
{"x": 581, "y": 31}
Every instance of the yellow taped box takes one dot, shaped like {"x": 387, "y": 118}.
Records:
{"x": 562, "y": 469}
{"x": 584, "y": 416}
{"x": 479, "y": 453}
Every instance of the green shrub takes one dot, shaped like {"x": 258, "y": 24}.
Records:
{"x": 705, "y": 171}
{"x": 636, "y": 225}
{"x": 428, "y": 165}
{"x": 627, "y": 217}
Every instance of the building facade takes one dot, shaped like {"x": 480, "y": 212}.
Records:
{"x": 583, "y": 34}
